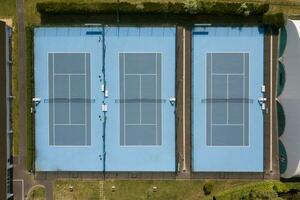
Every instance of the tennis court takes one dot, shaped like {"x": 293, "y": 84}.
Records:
{"x": 228, "y": 100}
{"x": 69, "y": 92}
{"x": 140, "y": 108}
{"x": 139, "y": 97}
{"x": 227, "y": 127}
{"x": 104, "y": 98}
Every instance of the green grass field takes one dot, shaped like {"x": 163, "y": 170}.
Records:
{"x": 172, "y": 190}
{"x": 138, "y": 189}
{"x": 87, "y": 189}
{"x": 7, "y": 8}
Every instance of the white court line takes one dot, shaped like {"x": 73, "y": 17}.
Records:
{"x": 271, "y": 103}
{"x": 226, "y": 74}
{"x": 69, "y": 99}
{"x": 205, "y": 86}
{"x": 69, "y": 74}
{"x": 53, "y": 106}
{"x": 156, "y": 126}
{"x": 22, "y": 182}
{"x": 140, "y": 74}
{"x": 227, "y": 124}
{"x": 124, "y": 68}
{"x": 85, "y": 104}
{"x": 69, "y": 94}
{"x": 227, "y": 104}
{"x": 141, "y": 124}
{"x": 140, "y": 99}
{"x": 211, "y": 70}
{"x": 227, "y": 82}
{"x": 69, "y": 124}
{"x": 140, "y": 96}
{"x": 244, "y": 98}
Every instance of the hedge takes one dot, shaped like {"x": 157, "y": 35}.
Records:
{"x": 257, "y": 190}
{"x": 103, "y": 8}
{"x": 188, "y": 7}
{"x": 276, "y": 20}
{"x": 225, "y": 8}
{"x": 30, "y": 138}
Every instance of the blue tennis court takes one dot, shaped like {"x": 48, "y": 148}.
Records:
{"x": 227, "y": 77}
{"x": 103, "y": 98}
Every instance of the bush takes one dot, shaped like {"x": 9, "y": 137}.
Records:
{"x": 276, "y": 20}
{"x": 207, "y": 188}
{"x": 258, "y": 190}
{"x": 188, "y": 7}
{"x": 98, "y": 8}
{"x": 30, "y": 139}
{"x": 225, "y": 8}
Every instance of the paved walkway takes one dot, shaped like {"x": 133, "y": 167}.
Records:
{"x": 24, "y": 180}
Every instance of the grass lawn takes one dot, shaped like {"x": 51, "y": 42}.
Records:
{"x": 7, "y": 8}
{"x": 175, "y": 190}
{"x": 37, "y": 193}
{"x": 87, "y": 189}
{"x": 172, "y": 190}
{"x": 139, "y": 189}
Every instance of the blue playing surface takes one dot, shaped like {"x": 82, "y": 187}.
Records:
{"x": 227, "y": 121}
{"x": 71, "y": 131}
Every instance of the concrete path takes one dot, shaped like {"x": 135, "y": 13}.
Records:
{"x": 23, "y": 179}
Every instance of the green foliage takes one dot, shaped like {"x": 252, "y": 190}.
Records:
{"x": 207, "y": 188}
{"x": 7, "y": 8}
{"x": 258, "y": 190}
{"x": 30, "y": 94}
{"x": 97, "y": 8}
{"x": 188, "y": 7}
{"x": 276, "y": 20}
{"x": 224, "y": 8}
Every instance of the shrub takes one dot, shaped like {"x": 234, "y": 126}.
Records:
{"x": 97, "y": 8}
{"x": 207, "y": 188}
{"x": 188, "y": 7}
{"x": 259, "y": 190}
{"x": 224, "y": 8}
{"x": 276, "y": 20}
{"x": 30, "y": 139}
